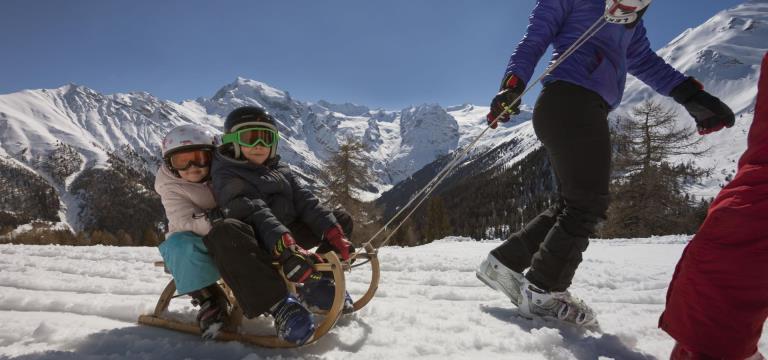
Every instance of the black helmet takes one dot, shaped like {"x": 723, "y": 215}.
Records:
{"x": 246, "y": 116}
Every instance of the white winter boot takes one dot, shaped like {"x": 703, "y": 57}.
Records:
{"x": 499, "y": 277}
{"x": 561, "y": 306}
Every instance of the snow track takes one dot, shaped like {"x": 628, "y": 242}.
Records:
{"x": 59, "y": 302}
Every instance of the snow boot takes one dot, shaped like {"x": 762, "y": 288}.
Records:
{"x": 293, "y": 322}
{"x": 499, "y": 277}
{"x": 533, "y": 301}
{"x": 561, "y": 306}
{"x": 214, "y": 310}
{"x": 318, "y": 295}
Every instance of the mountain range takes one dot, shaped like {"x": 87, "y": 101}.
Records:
{"x": 404, "y": 147}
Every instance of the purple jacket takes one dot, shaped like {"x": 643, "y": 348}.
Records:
{"x": 602, "y": 63}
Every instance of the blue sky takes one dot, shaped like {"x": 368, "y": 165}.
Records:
{"x": 387, "y": 54}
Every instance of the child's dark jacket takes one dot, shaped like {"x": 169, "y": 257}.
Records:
{"x": 277, "y": 197}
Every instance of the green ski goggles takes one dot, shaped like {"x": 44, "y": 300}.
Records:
{"x": 251, "y": 137}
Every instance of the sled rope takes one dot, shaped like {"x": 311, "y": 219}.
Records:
{"x": 432, "y": 185}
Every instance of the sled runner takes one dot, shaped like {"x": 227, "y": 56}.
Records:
{"x": 160, "y": 318}
{"x": 369, "y": 256}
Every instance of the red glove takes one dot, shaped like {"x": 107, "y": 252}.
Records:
{"x": 335, "y": 237}
{"x": 297, "y": 262}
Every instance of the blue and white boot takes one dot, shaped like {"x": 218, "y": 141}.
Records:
{"x": 293, "y": 321}
{"x": 318, "y": 296}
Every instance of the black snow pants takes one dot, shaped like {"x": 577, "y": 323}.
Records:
{"x": 572, "y": 124}
{"x": 245, "y": 266}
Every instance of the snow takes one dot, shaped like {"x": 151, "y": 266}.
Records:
{"x": 61, "y": 302}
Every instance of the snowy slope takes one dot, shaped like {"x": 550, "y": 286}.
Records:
{"x": 60, "y": 302}
{"x": 33, "y": 121}
{"x": 724, "y": 53}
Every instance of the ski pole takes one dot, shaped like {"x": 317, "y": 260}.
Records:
{"x": 432, "y": 185}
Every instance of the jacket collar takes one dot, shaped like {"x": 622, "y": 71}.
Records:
{"x": 226, "y": 155}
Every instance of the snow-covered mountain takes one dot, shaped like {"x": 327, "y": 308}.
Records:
{"x": 723, "y": 53}
{"x": 398, "y": 142}
{"x": 35, "y": 123}
{"x": 76, "y": 127}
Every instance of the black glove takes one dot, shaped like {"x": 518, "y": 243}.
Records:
{"x": 214, "y": 215}
{"x": 296, "y": 261}
{"x": 511, "y": 89}
{"x": 710, "y": 113}
{"x": 238, "y": 208}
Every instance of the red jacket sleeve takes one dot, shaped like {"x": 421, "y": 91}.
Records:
{"x": 757, "y": 140}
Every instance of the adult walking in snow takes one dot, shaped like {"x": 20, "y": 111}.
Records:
{"x": 717, "y": 301}
{"x": 570, "y": 119}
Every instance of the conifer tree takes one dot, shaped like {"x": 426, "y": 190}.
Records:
{"x": 648, "y": 190}
{"x": 346, "y": 172}
{"x": 438, "y": 225}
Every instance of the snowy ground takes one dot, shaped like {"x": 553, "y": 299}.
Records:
{"x": 60, "y": 302}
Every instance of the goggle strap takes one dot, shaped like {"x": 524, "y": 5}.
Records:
{"x": 229, "y": 138}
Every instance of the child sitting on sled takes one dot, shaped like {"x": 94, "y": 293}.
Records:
{"x": 266, "y": 216}
{"x": 183, "y": 184}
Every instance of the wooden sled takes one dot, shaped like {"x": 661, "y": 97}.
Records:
{"x": 231, "y": 332}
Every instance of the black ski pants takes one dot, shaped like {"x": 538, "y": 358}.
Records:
{"x": 571, "y": 122}
{"x": 245, "y": 266}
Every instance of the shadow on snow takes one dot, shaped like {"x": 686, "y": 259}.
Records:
{"x": 145, "y": 342}
{"x": 583, "y": 344}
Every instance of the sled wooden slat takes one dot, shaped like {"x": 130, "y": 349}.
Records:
{"x": 159, "y": 319}
{"x": 165, "y": 298}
